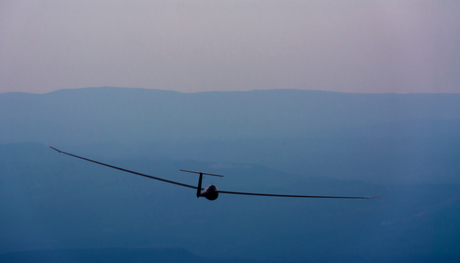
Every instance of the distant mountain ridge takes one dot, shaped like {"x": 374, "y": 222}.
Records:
{"x": 377, "y": 138}
{"x": 95, "y": 115}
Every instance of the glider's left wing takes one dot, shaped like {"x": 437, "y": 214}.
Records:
{"x": 126, "y": 170}
{"x": 304, "y": 196}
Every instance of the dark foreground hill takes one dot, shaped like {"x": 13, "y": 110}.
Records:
{"x": 109, "y": 255}
{"x": 123, "y": 255}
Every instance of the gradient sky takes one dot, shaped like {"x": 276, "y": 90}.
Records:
{"x": 191, "y": 46}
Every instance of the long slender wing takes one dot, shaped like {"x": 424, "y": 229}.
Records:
{"x": 126, "y": 170}
{"x": 194, "y": 187}
{"x": 302, "y": 196}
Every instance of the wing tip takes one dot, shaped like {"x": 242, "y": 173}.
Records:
{"x": 55, "y": 149}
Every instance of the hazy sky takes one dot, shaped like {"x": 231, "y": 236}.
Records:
{"x": 190, "y": 46}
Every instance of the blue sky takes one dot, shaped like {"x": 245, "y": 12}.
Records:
{"x": 194, "y": 46}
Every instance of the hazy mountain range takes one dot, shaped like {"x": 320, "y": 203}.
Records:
{"x": 404, "y": 148}
{"x": 140, "y": 115}
{"x": 379, "y": 138}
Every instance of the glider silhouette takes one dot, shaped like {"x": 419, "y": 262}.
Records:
{"x": 211, "y": 192}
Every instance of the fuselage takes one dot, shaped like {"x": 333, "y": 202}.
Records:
{"x": 210, "y": 192}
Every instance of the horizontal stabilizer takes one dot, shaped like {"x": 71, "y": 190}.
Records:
{"x": 201, "y": 173}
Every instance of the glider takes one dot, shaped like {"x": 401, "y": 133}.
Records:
{"x": 211, "y": 192}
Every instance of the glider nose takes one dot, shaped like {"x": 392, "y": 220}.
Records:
{"x": 210, "y": 192}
